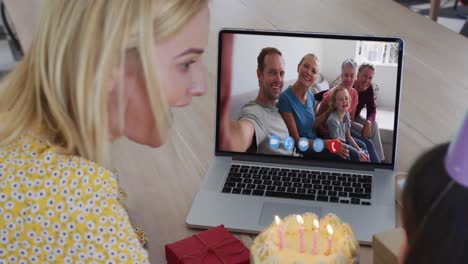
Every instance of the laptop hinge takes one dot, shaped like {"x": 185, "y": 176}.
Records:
{"x": 307, "y": 163}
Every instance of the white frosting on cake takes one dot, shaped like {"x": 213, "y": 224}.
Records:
{"x": 345, "y": 248}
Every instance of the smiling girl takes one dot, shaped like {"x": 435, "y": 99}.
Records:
{"x": 339, "y": 124}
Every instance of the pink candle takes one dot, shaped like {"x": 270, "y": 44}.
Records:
{"x": 280, "y": 232}
{"x": 300, "y": 221}
{"x": 330, "y": 238}
{"x": 316, "y": 235}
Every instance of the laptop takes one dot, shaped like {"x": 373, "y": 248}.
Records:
{"x": 244, "y": 190}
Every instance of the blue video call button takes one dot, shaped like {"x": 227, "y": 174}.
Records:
{"x": 318, "y": 145}
{"x": 288, "y": 143}
{"x": 274, "y": 141}
{"x": 303, "y": 144}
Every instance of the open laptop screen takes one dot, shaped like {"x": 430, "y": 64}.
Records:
{"x": 309, "y": 96}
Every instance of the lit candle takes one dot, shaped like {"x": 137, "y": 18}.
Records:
{"x": 300, "y": 221}
{"x": 316, "y": 235}
{"x": 330, "y": 238}
{"x": 280, "y": 232}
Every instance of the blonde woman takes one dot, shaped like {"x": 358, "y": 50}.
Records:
{"x": 96, "y": 71}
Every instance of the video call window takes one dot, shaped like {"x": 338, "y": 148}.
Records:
{"x": 272, "y": 135}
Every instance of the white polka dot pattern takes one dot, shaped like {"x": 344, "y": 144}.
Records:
{"x": 61, "y": 209}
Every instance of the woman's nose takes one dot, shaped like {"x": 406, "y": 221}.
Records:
{"x": 198, "y": 89}
{"x": 199, "y": 86}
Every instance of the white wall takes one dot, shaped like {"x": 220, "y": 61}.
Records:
{"x": 247, "y": 48}
{"x": 334, "y": 53}
{"x": 386, "y": 78}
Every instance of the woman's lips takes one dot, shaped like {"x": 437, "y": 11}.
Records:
{"x": 307, "y": 78}
{"x": 184, "y": 101}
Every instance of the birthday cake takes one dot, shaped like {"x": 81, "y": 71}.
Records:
{"x": 306, "y": 239}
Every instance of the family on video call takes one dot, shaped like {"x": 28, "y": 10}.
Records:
{"x": 292, "y": 115}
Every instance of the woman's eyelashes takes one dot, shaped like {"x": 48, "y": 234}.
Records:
{"x": 185, "y": 66}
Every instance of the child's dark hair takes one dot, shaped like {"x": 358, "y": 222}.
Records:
{"x": 436, "y": 225}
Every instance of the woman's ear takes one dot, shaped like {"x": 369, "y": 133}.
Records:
{"x": 125, "y": 74}
{"x": 119, "y": 80}
{"x": 116, "y": 80}
{"x": 403, "y": 248}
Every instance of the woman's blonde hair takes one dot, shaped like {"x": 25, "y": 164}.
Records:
{"x": 314, "y": 57}
{"x": 63, "y": 82}
{"x": 332, "y": 102}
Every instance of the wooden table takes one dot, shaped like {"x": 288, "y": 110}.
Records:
{"x": 161, "y": 183}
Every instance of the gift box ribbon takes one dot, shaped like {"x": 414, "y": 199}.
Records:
{"x": 216, "y": 250}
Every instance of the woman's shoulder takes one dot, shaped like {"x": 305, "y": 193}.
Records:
{"x": 91, "y": 174}
{"x": 288, "y": 89}
{"x": 285, "y": 100}
{"x": 286, "y": 93}
{"x": 33, "y": 156}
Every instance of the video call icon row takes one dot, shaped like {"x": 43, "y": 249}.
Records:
{"x": 303, "y": 144}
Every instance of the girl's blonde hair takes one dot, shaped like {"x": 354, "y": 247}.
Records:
{"x": 332, "y": 102}
{"x": 63, "y": 82}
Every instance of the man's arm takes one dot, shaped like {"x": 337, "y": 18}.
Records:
{"x": 354, "y": 103}
{"x": 241, "y": 133}
{"x": 371, "y": 108}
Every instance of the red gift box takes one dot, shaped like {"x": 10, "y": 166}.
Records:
{"x": 212, "y": 246}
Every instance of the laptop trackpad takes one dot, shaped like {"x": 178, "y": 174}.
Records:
{"x": 270, "y": 209}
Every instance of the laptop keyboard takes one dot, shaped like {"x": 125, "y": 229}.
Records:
{"x": 311, "y": 185}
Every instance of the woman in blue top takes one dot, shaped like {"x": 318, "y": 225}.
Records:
{"x": 296, "y": 105}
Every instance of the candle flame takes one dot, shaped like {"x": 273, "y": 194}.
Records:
{"x": 316, "y": 223}
{"x": 330, "y": 230}
{"x": 299, "y": 219}
{"x": 277, "y": 220}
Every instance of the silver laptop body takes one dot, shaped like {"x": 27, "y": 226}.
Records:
{"x": 251, "y": 213}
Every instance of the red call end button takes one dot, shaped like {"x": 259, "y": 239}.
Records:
{"x": 334, "y": 146}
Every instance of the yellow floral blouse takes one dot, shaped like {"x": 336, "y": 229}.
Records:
{"x": 56, "y": 208}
